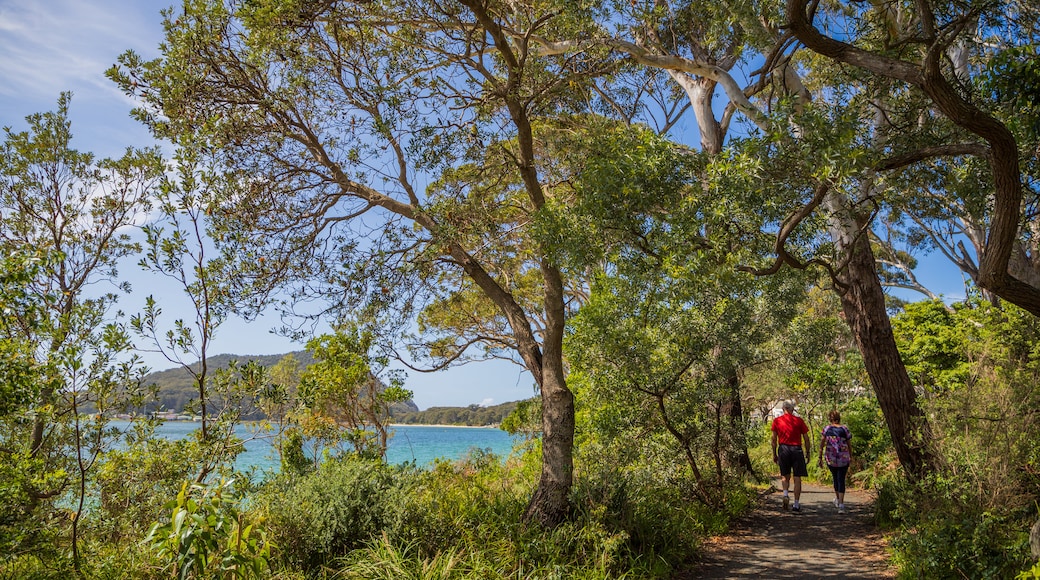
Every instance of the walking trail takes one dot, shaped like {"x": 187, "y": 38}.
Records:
{"x": 816, "y": 542}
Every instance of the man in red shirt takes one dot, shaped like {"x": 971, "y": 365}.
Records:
{"x": 789, "y": 433}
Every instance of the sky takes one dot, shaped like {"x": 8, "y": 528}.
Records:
{"x": 51, "y": 46}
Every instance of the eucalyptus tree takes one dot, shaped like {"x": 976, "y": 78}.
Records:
{"x": 746, "y": 52}
{"x": 807, "y": 164}
{"x": 384, "y": 156}
{"x": 703, "y": 48}
{"x": 971, "y": 67}
{"x": 671, "y": 326}
{"x": 75, "y": 211}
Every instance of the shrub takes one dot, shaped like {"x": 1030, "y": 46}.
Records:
{"x": 473, "y": 510}
{"x": 946, "y": 530}
{"x": 464, "y": 519}
{"x": 207, "y": 537}
{"x": 134, "y": 483}
{"x": 338, "y": 508}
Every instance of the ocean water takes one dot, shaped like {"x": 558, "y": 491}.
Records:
{"x": 419, "y": 443}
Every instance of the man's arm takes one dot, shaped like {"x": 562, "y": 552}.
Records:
{"x": 805, "y": 445}
{"x": 775, "y": 458}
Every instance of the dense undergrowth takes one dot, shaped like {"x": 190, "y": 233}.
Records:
{"x": 354, "y": 518}
{"x": 463, "y": 519}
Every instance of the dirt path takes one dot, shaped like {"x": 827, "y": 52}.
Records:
{"x": 814, "y": 543}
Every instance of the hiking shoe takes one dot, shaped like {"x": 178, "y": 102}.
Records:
{"x": 842, "y": 510}
{"x": 796, "y": 507}
{"x": 836, "y": 502}
{"x": 787, "y": 502}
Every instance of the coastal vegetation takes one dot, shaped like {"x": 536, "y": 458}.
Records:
{"x": 472, "y": 415}
{"x": 442, "y": 183}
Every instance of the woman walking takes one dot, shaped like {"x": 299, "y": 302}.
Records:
{"x": 835, "y": 448}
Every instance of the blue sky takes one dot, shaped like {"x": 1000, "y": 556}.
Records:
{"x": 50, "y": 46}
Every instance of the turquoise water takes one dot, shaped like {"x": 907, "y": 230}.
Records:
{"x": 419, "y": 443}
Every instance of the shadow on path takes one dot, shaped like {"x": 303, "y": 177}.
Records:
{"x": 814, "y": 543}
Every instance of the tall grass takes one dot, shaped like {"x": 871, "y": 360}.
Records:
{"x": 464, "y": 520}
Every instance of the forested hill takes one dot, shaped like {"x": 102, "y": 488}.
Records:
{"x": 176, "y": 386}
{"x": 473, "y": 415}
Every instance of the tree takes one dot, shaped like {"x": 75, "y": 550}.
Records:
{"x": 344, "y": 386}
{"x": 177, "y": 247}
{"x": 74, "y": 210}
{"x": 329, "y": 117}
{"x": 699, "y": 47}
{"x": 670, "y": 326}
{"x": 931, "y": 49}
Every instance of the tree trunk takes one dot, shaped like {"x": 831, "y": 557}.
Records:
{"x": 863, "y": 303}
{"x": 735, "y": 429}
{"x": 550, "y": 504}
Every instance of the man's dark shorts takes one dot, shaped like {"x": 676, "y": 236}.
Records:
{"x": 791, "y": 457}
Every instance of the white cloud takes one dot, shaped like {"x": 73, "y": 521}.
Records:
{"x": 60, "y": 45}
{"x": 487, "y": 402}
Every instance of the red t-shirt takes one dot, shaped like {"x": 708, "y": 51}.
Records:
{"x": 789, "y": 429}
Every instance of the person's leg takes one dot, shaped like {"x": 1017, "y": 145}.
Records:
{"x": 799, "y": 471}
{"x": 839, "y": 484}
{"x": 784, "y": 460}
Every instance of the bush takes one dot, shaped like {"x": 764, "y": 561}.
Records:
{"x": 135, "y": 482}
{"x": 946, "y": 530}
{"x": 342, "y": 506}
{"x": 464, "y": 519}
{"x": 207, "y": 536}
{"x": 624, "y": 524}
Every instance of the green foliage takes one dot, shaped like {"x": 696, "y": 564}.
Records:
{"x": 1013, "y": 79}
{"x": 623, "y": 175}
{"x": 65, "y": 218}
{"x": 525, "y": 419}
{"x": 384, "y": 560}
{"x": 623, "y": 525}
{"x": 134, "y": 481}
{"x": 321, "y": 516}
{"x": 342, "y": 396}
{"x": 1030, "y": 574}
{"x": 638, "y": 499}
{"x": 979, "y": 364}
{"x": 473, "y": 415}
{"x": 946, "y": 530}
{"x": 364, "y": 519}
{"x": 294, "y": 461}
{"x": 29, "y": 526}
{"x": 817, "y": 355}
{"x": 932, "y": 345}
{"x": 20, "y": 373}
{"x": 208, "y": 537}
